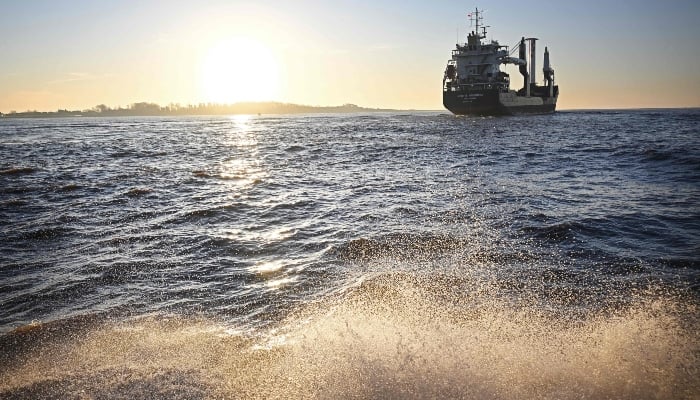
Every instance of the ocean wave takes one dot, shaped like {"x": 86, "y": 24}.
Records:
{"x": 201, "y": 174}
{"x": 295, "y": 148}
{"x": 201, "y": 213}
{"x": 398, "y": 246}
{"x": 69, "y": 187}
{"x": 657, "y": 155}
{"x": 138, "y": 192}
{"x": 424, "y": 247}
{"x": 392, "y": 336}
{"x": 47, "y": 233}
{"x": 557, "y": 232}
{"x": 18, "y": 171}
{"x": 10, "y": 203}
{"x": 584, "y": 230}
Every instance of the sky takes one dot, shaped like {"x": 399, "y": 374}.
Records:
{"x": 373, "y": 53}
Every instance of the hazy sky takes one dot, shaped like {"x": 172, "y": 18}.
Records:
{"x": 375, "y": 53}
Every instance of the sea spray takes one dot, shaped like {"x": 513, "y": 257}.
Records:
{"x": 401, "y": 335}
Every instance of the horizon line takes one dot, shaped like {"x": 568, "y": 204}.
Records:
{"x": 174, "y": 108}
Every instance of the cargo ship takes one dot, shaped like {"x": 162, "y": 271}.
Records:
{"x": 474, "y": 84}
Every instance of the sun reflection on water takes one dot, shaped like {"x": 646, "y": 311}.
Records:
{"x": 261, "y": 236}
{"x": 267, "y": 267}
{"x": 244, "y": 167}
{"x": 241, "y": 119}
{"x": 278, "y": 283}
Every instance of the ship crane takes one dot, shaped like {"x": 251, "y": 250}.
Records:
{"x": 522, "y": 53}
{"x": 548, "y": 72}
{"x": 512, "y": 60}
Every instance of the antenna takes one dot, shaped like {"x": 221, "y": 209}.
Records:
{"x": 477, "y": 17}
{"x": 483, "y": 28}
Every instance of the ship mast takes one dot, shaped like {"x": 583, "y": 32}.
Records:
{"x": 476, "y": 18}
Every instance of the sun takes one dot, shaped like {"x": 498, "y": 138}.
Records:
{"x": 237, "y": 70}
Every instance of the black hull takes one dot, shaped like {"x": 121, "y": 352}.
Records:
{"x": 488, "y": 102}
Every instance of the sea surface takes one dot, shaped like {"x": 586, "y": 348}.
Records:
{"x": 387, "y": 255}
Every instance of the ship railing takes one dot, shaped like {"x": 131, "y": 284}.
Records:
{"x": 482, "y": 85}
{"x": 471, "y": 53}
{"x": 462, "y": 87}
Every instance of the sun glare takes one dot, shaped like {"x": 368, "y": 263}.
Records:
{"x": 238, "y": 70}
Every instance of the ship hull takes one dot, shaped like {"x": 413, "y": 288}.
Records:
{"x": 495, "y": 102}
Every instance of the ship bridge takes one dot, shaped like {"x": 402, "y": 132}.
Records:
{"x": 476, "y": 63}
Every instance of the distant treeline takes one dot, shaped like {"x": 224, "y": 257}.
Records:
{"x": 152, "y": 109}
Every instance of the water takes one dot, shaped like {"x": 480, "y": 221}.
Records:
{"x": 403, "y": 255}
